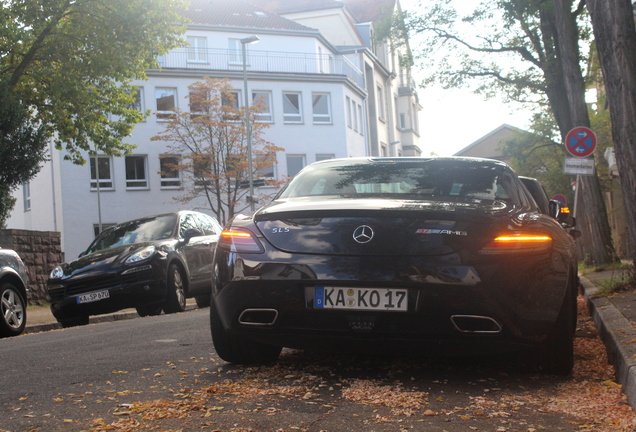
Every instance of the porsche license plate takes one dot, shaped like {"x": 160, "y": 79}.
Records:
{"x": 381, "y": 299}
{"x": 91, "y": 297}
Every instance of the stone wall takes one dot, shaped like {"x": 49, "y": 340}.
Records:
{"x": 41, "y": 251}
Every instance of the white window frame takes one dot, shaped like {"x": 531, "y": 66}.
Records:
{"x": 348, "y": 104}
{"x": 293, "y": 117}
{"x": 380, "y": 101}
{"x": 321, "y": 118}
{"x": 303, "y": 163}
{"x": 355, "y": 115}
{"x": 165, "y": 115}
{"x": 197, "y": 49}
{"x": 26, "y": 195}
{"x": 266, "y": 116}
{"x": 235, "y": 51}
{"x": 237, "y": 102}
{"x": 165, "y": 180}
{"x": 324, "y": 156}
{"x": 139, "y": 102}
{"x": 105, "y": 183}
{"x": 137, "y": 183}
{"x": 361, "y": 119}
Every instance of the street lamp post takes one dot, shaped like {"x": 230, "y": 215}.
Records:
{"x": 248, "y": 126}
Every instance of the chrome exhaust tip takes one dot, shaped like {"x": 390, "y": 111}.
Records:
{"x": 475, "y": 324}
{"x": 258, "y": 317}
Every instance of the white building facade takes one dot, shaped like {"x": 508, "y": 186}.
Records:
{"x": 317, "y": 104}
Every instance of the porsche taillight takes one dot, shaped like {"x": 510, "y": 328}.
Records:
{"x": 242, "y": 241}
{"x": 518, "y": 243}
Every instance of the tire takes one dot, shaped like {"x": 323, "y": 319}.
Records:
{"x": 558, "y": 352}
{"x": 203, "y": 301}
{"x": 74, "y": 322}
{"x": 175, "y": 297}
{"x": 236, "y": 349}
{"x": 149, "y": 310}
{"x": 12, "y": 310}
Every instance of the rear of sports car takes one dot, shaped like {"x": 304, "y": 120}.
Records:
{"x": 419, "y": 255}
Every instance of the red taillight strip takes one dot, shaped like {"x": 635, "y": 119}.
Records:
{"x": 521, "y": 243}
{"x": 240, "y": 241}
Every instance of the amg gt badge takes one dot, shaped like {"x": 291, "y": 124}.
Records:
{"x": 438, "y": 231}
{"x": 363, "y": 234}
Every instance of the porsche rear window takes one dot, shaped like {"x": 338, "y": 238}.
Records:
{"x": 431, "y": 179}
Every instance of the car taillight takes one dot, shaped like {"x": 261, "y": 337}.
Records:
{"x": 519, "y": 243}
{"x": 240, "y": 241}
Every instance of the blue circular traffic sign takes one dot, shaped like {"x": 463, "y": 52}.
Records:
{"x": 580, "y": 142}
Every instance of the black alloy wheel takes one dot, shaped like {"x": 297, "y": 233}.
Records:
{"x": 175, "y": 297}
{"x": 12, "y": 310}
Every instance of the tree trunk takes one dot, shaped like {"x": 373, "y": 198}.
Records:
{"x": 596, "y": 240}
{"x": 613, "y": 24}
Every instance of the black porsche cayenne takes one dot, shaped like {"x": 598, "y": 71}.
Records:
{"x": 151, "y": 264}
{"x": 380, "y": 254}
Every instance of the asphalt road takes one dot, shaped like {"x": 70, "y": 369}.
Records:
{"x": 161, "y": 373}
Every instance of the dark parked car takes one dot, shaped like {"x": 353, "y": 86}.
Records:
{"x": 13, "y": 293}
{"x": 151, "y": 264}
{"x": 442, "y": 255}
{"x": 548, "y": 206}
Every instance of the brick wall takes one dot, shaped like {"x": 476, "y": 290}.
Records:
{"x": 41, "y": 251}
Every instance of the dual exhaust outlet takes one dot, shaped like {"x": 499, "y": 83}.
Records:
{"x": 261, "y": 317}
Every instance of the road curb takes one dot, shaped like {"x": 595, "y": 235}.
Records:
{"x": 38, "y": 328}
{"x": 618, "y": 335}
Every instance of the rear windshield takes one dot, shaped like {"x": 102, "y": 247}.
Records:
{"x": 427, "y": 180}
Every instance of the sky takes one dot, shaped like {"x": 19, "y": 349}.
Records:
{"x": 453, "y": 119}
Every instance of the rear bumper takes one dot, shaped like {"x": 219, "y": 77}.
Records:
{"x": 512, "y": 307}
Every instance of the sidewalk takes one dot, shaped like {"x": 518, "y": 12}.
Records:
{"x": 40, "y": 318}
{"x": 615, "y": 318}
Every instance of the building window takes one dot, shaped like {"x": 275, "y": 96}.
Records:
{"x": 295, "y": 163}
{"x": 348, "y": 103}
{"x": 292, "y": 112}
{"x": 136, "y": 177}
{"x": 197, "y": 50}
{"x": 105, "y": 172}
{"x": 231, "y": 100}
{"x": 138, "y": 103}
{"x": 170, "y": 174}
{"x": 26, "y": 195}
{"x": 265, "y": 171}
{"x": 355, "y": 116}
{"x": 380, "y": 101}
{"x": 263, "y": 100}
{"x": 402, "y": 121}
{"x": 322, "y": 157}
{"x": 235, "y": 55}
{"x": 384, "y": 150}
{"x": 322, "y": 107}
{"x": 166, "y": 102}
{"x": 360, "y": 117}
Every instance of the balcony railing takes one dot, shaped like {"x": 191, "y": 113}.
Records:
{"x": 261, "y": 61}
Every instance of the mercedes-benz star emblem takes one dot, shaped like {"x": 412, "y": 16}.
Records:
{"x": 363, "y": 234}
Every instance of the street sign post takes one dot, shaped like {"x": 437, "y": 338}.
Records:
{"x": 578, "y": 166}
{"x": 580, "y": 142}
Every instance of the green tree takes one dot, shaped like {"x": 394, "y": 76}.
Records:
{"x": 208, "y": 146}
{"x": 71, "y": 62}
{"x": 22, "y": 148}
{"x": 525, "y": 51}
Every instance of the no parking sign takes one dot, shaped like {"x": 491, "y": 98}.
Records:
{"x": 580, "y": 142}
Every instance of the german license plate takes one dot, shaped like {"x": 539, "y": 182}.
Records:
{"x": 91, "y": 297}
{"x": 361, "y": 298}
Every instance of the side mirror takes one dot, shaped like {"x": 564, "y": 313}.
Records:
{"x": 555, "y": 208}
{"x": 192, "y": 232}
